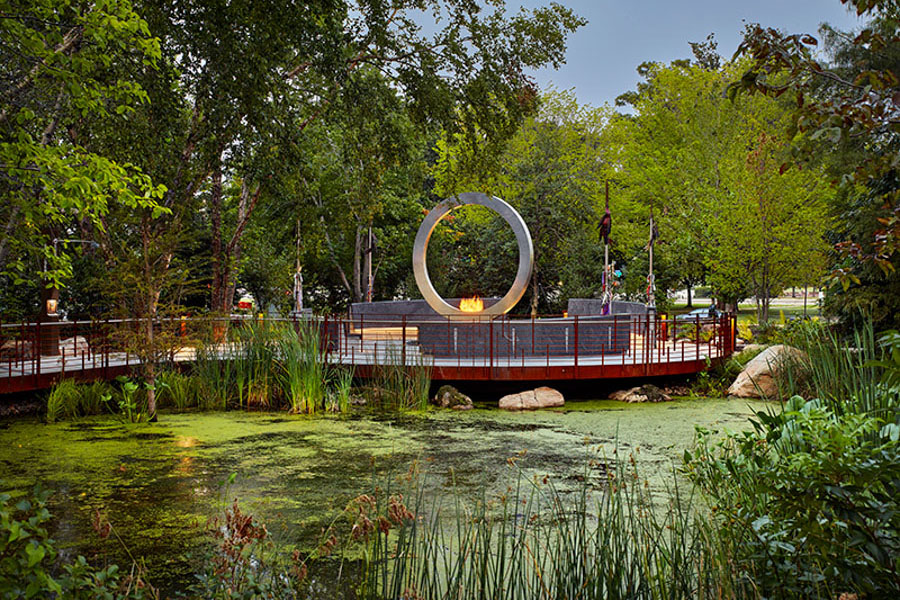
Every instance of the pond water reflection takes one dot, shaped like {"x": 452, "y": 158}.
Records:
{"x": 159, "y": 483}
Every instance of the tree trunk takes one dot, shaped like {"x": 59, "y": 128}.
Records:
{"x": 217, "y": 299}
{"x": 227, "y": 256}
{"x": 534, "y": 293}
{"x": 690, "y": 303}
{"x": 357, "y": 266}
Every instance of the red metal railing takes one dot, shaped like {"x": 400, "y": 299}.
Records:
{"x": 503, "y": 348}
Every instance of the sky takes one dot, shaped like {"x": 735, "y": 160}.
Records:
{"x": 603, "y": 55}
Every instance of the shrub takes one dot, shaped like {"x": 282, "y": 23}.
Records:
{"x": 27, "y": 552}
{"x": 810, "y": 501}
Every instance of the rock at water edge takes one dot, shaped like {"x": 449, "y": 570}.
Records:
{"x": 542, "y": 397}
{"x": 757, "y": 380}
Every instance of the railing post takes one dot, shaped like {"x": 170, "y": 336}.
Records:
{"x": 575, "y": 374}
{"x": 697, "y": 326}
{"x": 403, "y": 347}
{"x": 491, "y": 335}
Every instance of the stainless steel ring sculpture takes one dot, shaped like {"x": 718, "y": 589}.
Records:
{"x": 523, "y": 238}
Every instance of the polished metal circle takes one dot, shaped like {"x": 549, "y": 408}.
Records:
{"x": 523, "y": 238}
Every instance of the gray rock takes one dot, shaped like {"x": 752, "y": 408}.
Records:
{"x": 74, "y": 346}
{"x": 644, "y": 393}
{"x": 448, "y": 396}
{"x": 757, "y": 380}
{"x": 12, "y": 350}
{"x": 542, "y": 397}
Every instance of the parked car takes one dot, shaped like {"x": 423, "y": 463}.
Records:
{"x": 705, "y": 312}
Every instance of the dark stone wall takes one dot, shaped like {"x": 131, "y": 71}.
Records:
{"x": 510, "y": 338}
{"x": 526, "y": 338}
{"x": 391, "y": 312}
{"x": 594, "y": 306}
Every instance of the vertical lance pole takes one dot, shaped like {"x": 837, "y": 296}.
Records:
{"x": 298, "y": 278}
{"x": 606, "y": 295}
{"x": 651, "y": 281}
{"x": 371, "y": 256}
{"x": 606, "y": 252}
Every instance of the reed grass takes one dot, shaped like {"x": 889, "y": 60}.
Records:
{"x": 605, "y": 539}
{"x": 398, "y": 386}
{"x": 254, "y": 357}
{"x": 342, "y": 383}
{"x": 845, "y": 373}
{"x": 304, "y": 372}
{"x": 63, "y": 401}
{"x": 214, "y": 377}
{"x": 95, "y": 397}
{"x": 69, "y": 400}
{"x": 177, "y": 390}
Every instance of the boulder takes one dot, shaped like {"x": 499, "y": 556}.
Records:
{"x": 753, "y": 347}
{"x": 74, "y": 346}
{"x": 448, "y": 396}
{"x": 757, "y": 380}
{"x": 676, "y": 390}
{"x": 542, "y": 397}
{"x": 644, "y": 393}
{"x": 13, "y": 350}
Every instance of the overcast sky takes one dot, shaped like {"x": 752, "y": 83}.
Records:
{"x": 621, "y": 34}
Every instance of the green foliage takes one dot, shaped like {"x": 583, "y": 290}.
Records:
{"x": 27, "y": 555}
{"x": 399, "y": 387}
{"x": 727, "y": 213}
{"x": 59, "y": 54}
{"x": 843, "y": 110}
{"x": 69, "y": 400}
{"x": 25, "y": 548}
{"x": 342, "y": 380}
{"x": 132, "y": 407}
{"x": 809, "y": 500}
{"x": 177, "y": 390}
{"x": 304, "y": 372}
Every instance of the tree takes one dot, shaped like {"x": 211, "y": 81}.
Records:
{"x": 552, "y": 171}
{"x": 725, "y": 214}
{"x": 845, "y": 116}
{"x": 55, "y": 74}
{"x": 853, "y": 101}
{"x": 258, "y": 74}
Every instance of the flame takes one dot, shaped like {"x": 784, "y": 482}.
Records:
{"x": 471, "y": 305}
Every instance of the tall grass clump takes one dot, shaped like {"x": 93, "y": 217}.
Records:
{"x": 304, "y": 372}
{"x": 397, "y": 387}
{"x": 63, "y": 401}
{"x": 176, "y": 389}
{"x": 607, "y": 538}
{"x": 95, "y": 397}
{"x": 845, "y": 373}
{"x": 342, "y": 384}
{"x": 215, "y": 377}
{"x": 253, "y": 355}
{"x": 69, "y": 400}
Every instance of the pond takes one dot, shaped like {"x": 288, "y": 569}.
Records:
{"x": 159, "y": 483}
